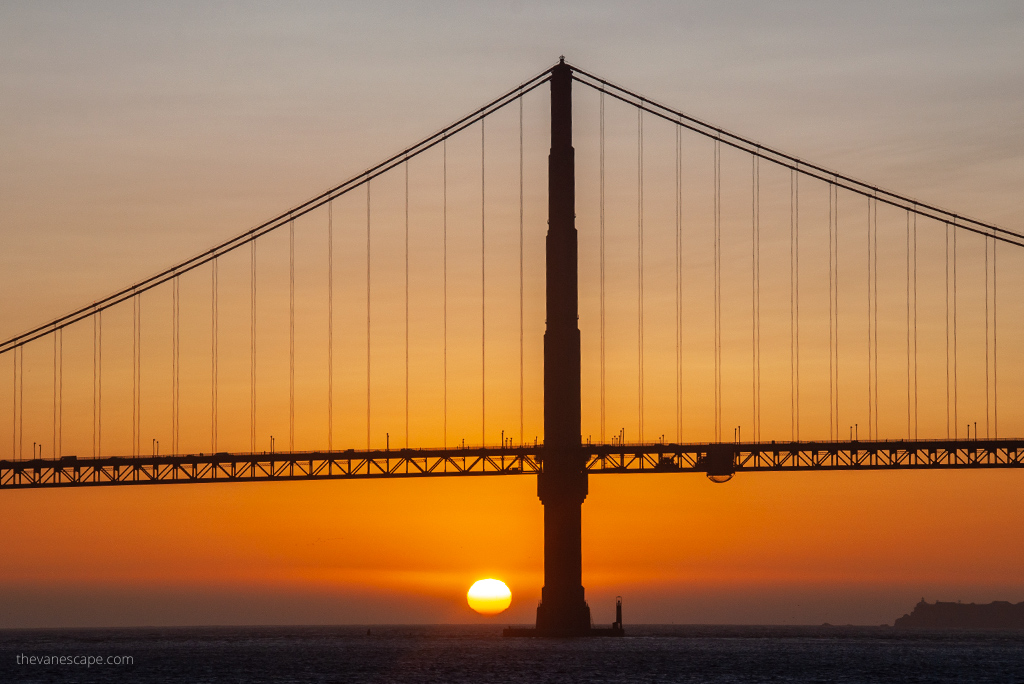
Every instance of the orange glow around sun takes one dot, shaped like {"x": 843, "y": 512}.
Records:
{"x": 489, "y": 596}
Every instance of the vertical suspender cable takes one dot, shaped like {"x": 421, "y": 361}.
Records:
{"x": 995, "y": 342}
{"x": 834, "y": 305}
{"x": 832, "y": 425}
{"x": 601, "y": 242}
{"x": 796, "y": 292}
{"x": 53, "y": 437}
{"x": 910, "y": 428}
{"x": 717, "y": 289}
{"x": 870, "y": 376}
{"x": 252, "y": 346}
{"x": 368, "y": 313}
{"x": 792, "y": 307}
{"x": 213, "y": 354}
{"x": 679, "y": 283}
{"x": 19, "y": 404}
{"x": 99, "y": 385}
{"x": 135, "y": 367}
{"x": 753, "y": 291}
{"x": 138, "y": 374}
{"x": 330, "y": 326}
{"x": 915, "y": 328}
{"x": 407, "y": 303}
{"x": 988, "y": 433}
{"x": 835, "y": 279}
{"x": 444, "y": 241}
{"x": 521, "y": 336}
{"x": 19, "y": 363}
{"x": 946, "y": 231}
{"x": 483, "y": 289}
{"x": 640, "y": 269}
{"x": 177, "y": 368}
{"x": 94, "y": 348}
{"x": 60, "y": 395}
{"x": 291, "y": 335}
{"x": 14, "y": 404}
{"x": 956, "y": 398}
{"x": 757, "y": 297}
{"x": 874, "y": 275}
{"x": 21, "y": 401}
{"x": 175, "y": 356}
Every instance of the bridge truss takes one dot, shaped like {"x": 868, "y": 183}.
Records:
{"x": 714, "y": 459}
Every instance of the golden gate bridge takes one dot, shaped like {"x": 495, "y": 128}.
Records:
{"x": 560, "y": 456}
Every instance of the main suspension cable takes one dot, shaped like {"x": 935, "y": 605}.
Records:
{"x": 281, "y": 220}
{"x": 791, "y": 162}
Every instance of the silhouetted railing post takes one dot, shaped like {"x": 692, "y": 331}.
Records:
{"x": 562, "y": 486}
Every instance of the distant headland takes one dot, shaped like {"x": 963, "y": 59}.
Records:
{"x": 948, "y": 615}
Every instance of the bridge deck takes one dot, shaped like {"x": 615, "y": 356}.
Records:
{"x": 722, "y": 459}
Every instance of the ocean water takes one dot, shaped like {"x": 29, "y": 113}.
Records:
{"x": 479, "y": 654}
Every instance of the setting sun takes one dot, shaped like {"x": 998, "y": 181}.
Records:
{"x": 489, "y": 596}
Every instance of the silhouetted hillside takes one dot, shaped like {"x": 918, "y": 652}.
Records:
{"x": 942, "y": 615}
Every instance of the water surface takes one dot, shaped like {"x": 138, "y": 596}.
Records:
{"x": 478, "y": 654}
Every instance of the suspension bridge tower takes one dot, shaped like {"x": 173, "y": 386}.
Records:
{"x": 562, "y": 485}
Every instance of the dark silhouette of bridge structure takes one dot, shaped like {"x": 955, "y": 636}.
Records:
{"x": 562, "y": 460}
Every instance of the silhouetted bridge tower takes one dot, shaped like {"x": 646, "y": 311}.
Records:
{"x": 563, "y": 461}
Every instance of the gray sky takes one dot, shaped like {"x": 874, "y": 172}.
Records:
{"x": 125, "y": 126}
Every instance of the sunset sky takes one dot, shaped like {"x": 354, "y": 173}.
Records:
{"x": 133, "y": 137}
